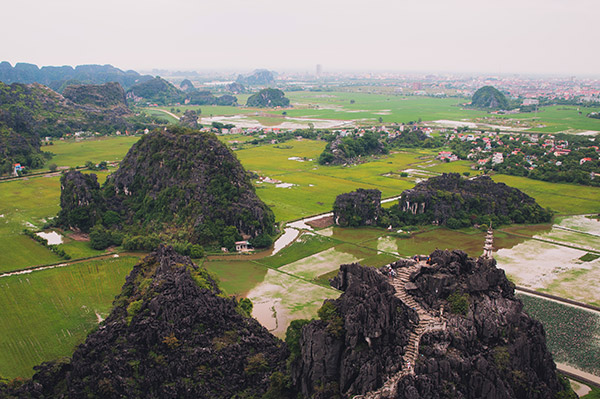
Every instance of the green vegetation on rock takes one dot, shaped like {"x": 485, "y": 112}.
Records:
{"x": 268, "y": 98}
{"x": 489, "y": 97}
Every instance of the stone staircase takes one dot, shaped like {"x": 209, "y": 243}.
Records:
{"x": 411, "y": 352}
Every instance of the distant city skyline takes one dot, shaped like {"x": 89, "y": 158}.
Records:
{"x": 550, "y": 37}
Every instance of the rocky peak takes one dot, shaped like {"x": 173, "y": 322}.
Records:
{"x": 358, "y": 208}
{"x": 171, "y": 334}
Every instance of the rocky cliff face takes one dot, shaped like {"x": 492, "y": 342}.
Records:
{"x": 490, "y": 347}
{"x": 171, "y": 334}
{"x": 81, "y": 201}
{"x": 56, "y": 76}
{"x": 358, "y": 208}
{"x": 189, "y": 119}
{"x": 359, "y": 340}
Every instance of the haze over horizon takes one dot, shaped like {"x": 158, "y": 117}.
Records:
{"x": 545, "y": 37}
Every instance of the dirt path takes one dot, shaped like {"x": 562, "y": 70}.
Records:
{"x": 67, "y": 263}
{"x": 578, "y": 374}
{"x": 167, "y": 112}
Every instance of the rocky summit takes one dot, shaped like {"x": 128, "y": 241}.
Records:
{"x": 449, "y": 328}
{"x": 171, "y": 334}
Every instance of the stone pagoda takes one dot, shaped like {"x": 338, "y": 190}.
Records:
{"x": 489, "y": 243}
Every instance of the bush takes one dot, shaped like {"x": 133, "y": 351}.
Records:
{"x": 196, "y": 251}
{"x": 262, "y": 241}
{"x": 245, "y": 307}
{"x": 141, "y": 243}
{"x": 459, "y": 303}
{"x": 292, "y": 337}
{"x": 52, "y": 167}
{"x": 256, "y": 364}
{"x": 101, "y": 238}
{"x": 328, "y": 313}
{"x": 132, "y": 309}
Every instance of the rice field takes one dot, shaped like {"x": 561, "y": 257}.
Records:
{"x": 45, "y": 314}
{"x": 73, "y": 153}
{"x": 572, "y": 334}
{"x": 28, "y": 203}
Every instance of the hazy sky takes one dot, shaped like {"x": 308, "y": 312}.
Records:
{"x": 500, "y": 36}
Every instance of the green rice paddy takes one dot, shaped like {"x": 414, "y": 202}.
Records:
{"x": 571, "y": 333}
{"x": 76, "y": 153}
{"x": 45, "y": 314}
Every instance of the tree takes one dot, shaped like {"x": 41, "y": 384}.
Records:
{"x": 52, "y": 167}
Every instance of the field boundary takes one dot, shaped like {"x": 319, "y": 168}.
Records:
{"x": 58, "y": 264}
{"x": 559, "y": 299}
{"x": 578, "y": 377}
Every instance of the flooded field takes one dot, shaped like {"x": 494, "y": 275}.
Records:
{"x": 563, "y": 260}
{"x": 281, "y": 298}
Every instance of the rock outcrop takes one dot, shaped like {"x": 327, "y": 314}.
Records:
{"x": 81, "y": 201}
{"x": 458, "y": 202}
{"x": 358, "y": 208}
{"x": 473, "y": 339}
{"x": 184, "y": 183}
{"x": 489, "y": 97}
{"x": 359, "y": 340}
{"x": 28, "y": 112}
{"x": 55, "y": 77}
{"x": 260, "y": 77}
{"x": 268, "y": 98}
{"x": 490, "y": 347}
{"x": 352, "y": 149}
{"x": 189, "y": 119}
{"x": 171, "y": 334}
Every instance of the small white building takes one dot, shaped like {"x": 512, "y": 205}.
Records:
{"x": 497, "y": 158}
{"x": 242, "y": 246}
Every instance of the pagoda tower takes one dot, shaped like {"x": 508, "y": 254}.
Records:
{"x": 489, "y": 243}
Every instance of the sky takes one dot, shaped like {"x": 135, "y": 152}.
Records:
{"x": 498, "y": 37}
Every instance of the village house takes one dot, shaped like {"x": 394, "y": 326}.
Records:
{"x": 447, "y": 155}
{"x": 497, "y": 158}
{"x": 242, "y": 246}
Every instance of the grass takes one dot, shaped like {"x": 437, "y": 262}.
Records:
{"x": 77, "y": 153}
{"x": 25, "y": 203}
{"x": 424, "y": 243}
{"x": 236, "y": 277}
{"x": 571, "y": 333}
{"x": 79, "y": 249}
{"x": 45, "y": 314}
{"x": 567, "y": 199}
{"x": 353, "y": 235}
{"x": 594, "y": 394}
{"x": 22, "y": 252}
{"x": 369, "y": 107}
{"x": 589, "y": 257}
{"x": 306, "y": 245}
